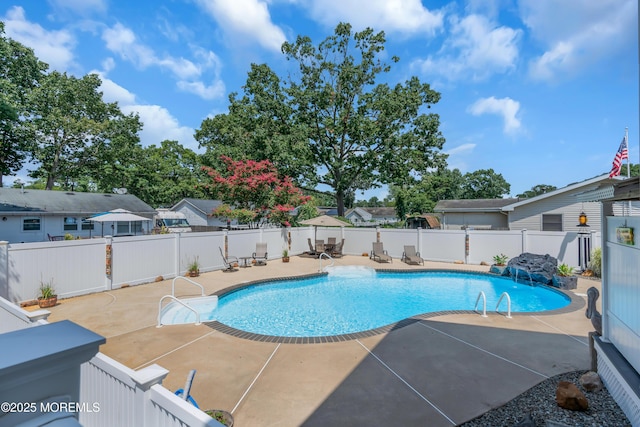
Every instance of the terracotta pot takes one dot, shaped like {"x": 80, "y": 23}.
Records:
{"x": 285, "y": 259}
{"x": 221, "y": 416}
{"x": 48, "y": 302}
{"x": 194, "y": 273}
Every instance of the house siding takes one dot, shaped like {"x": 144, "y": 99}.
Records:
{"x": 529, "y": 216}
{"x": 477, "y": 220}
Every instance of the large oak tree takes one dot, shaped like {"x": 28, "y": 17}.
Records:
{"x": 330, "y": 120}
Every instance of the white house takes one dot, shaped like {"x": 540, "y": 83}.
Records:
{"x": 371, "y": 217}
{"x": 36, "y": 215}
{"x": 556, "y": 210}
{"x": 198, "y": 212}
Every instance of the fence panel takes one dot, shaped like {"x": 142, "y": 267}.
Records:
{"x": 140, "y": 259}
{"x": 276, "y": 240}
{"x": 299, "y": 236}
{"x": 243, "y": 243}
{"x": 358, "y": 240}
{"x": 443, "y": 245}
{"x": 75, "y": 267}
{"x": 395, "y": 240}
{"x": 484, "y": 245}
{"x": 204, "y": 246}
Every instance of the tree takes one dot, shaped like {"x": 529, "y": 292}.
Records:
{"x": 537, "y": 190}
{"x": 329, "y": 123}
{"x": 484, "y": 184}
{"x": 422, "y": 195}
{"x": 254, "y": 186}
{"x": 20, "y": 72}
{"x": 72, "y": 123}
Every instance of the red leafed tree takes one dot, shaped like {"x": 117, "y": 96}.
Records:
{"x": 255, "y": 186}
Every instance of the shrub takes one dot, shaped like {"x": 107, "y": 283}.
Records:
{"x": 595, "y": 264}
{"x": 500, "y": 259}
{"x": 565, "y": 270}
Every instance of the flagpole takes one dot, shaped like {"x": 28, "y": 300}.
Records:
{"x": 626, "y": 138}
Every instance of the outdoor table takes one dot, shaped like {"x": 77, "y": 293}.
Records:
{"x": 245, "y": 261}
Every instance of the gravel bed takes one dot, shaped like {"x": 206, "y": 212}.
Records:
{"x": 540, "y": 402}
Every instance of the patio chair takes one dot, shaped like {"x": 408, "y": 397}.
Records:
{"x": 320, "y": 248}
{"x": 260, "y": 255}
{"x": 410, "y": 256}
{"x": 379, "y": 254}
{"x": 336, "y": 252}
{"x": 229, "y": 262}
{"x": 312, "y": 251}
{"x": 331, "y": 240}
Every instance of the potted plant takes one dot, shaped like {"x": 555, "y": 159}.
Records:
{"x": 194, "y": 267}
{"x": 285, "y": 255}
{"x": 47, "y": 296}
{"x": 499, "y": 264}
{"x": 221, "y": 416}
{"x": 564, "y": 278}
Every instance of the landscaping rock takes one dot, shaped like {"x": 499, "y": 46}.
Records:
{"x": 568, "y": 396}
{"x": 591, "y": 381}
{"x": 532, "y": 267}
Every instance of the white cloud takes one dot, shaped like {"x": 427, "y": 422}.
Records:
{"x": 53, "y": 47}
{"x": 400, "y": 16}
{"x": 158, "y": 123}
{"x": 461, "y": 149}
{"x": 505, "y": 107}
{"x": 475, "y": 49}
{"x": 244, "y": 20}
{"x": 122, "y": 41}
{"x": 578, "y": 33}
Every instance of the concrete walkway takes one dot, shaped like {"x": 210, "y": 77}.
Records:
{"x": 439, "y": 371}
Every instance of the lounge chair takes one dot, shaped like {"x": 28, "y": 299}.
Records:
{"x": 336, "y": 252}
{"x": 229, "y": 262}
{"x": 410, "y": 256}
{"x": 260, "y": 255}
{"x": 379, "y": 254}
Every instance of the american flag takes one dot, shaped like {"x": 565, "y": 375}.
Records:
{"x": 623, "y": 153}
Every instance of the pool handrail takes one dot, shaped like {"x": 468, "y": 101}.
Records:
{"x": 504, "y": 294}
{"x": 159, "y": 325}
{"x": 320, "y": 260}
{"x": 173, "y": 285}
{"x": 484, "y": 303}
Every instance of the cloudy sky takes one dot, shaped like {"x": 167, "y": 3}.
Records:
{"x": 539, "y": 90}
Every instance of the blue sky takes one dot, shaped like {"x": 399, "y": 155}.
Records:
{"x": 539, "y": 90}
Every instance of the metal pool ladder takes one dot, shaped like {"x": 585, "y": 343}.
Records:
{"x": 484, "y": 304}
{"x": 173, "y": 298}
{"x": 320, "y": 260}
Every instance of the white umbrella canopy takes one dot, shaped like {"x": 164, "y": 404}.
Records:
{"x": 325, "y": 221}
{"x": 117, "y": 215}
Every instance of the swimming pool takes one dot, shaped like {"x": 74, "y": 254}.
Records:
{"x": 338, "y": 304}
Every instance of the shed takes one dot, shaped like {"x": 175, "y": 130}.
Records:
{"x": 473, "y": 213}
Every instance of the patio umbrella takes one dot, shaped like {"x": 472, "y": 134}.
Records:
{"x": 324, "y": 221}
{"x": 117, "y": 215}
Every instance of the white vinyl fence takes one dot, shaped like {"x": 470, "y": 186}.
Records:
{"x": 80, "y": 267}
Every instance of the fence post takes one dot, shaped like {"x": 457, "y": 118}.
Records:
{"x": 177, "y": 253}
{"x": 4, "y": 270}
{"x": 524, "y": 240}
{"x": 108, "y": 262}
{"x": 466, "y": 245}
{"x": 419, "y": 245}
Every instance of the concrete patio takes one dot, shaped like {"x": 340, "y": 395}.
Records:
{"x": 442, "y": 370}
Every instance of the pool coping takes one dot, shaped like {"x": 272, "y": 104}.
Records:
{"x": 574, "y": 305}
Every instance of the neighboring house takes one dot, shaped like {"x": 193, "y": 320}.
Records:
{"x": 370, "y": 217}
{"x": 198, "y": 212}
{"x": 556, "y": 210}
{"x": 35, "y": 215}
{"x": 425, "y": 221}
{"x": 473, "y": 214}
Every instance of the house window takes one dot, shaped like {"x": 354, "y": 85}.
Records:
{"x": 551, "y": 222}
{"x": 31, "y": 224}
{"x": 86, "y": 224}
{"x": 70, "y": 223}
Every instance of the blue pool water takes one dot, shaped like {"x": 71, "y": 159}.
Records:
{"x": 342, "y": 304}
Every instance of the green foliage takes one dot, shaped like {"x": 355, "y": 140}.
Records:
{"x": 565, "y": 270}
{"x": 194, "y": 265}
{"x": 595, "y": 264}
{"x": 285, "y": 253}
{"x": 329, "y": 123}
{"x": 484, "y": 184}
{"x": 69, "y": 236}
{"x": 20, "y": 73}
{"x": 500, "y": 259}
{"x": 307, "y": 211}
{"x": 537, "y": 190}
{"x": 46, "y": 290}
